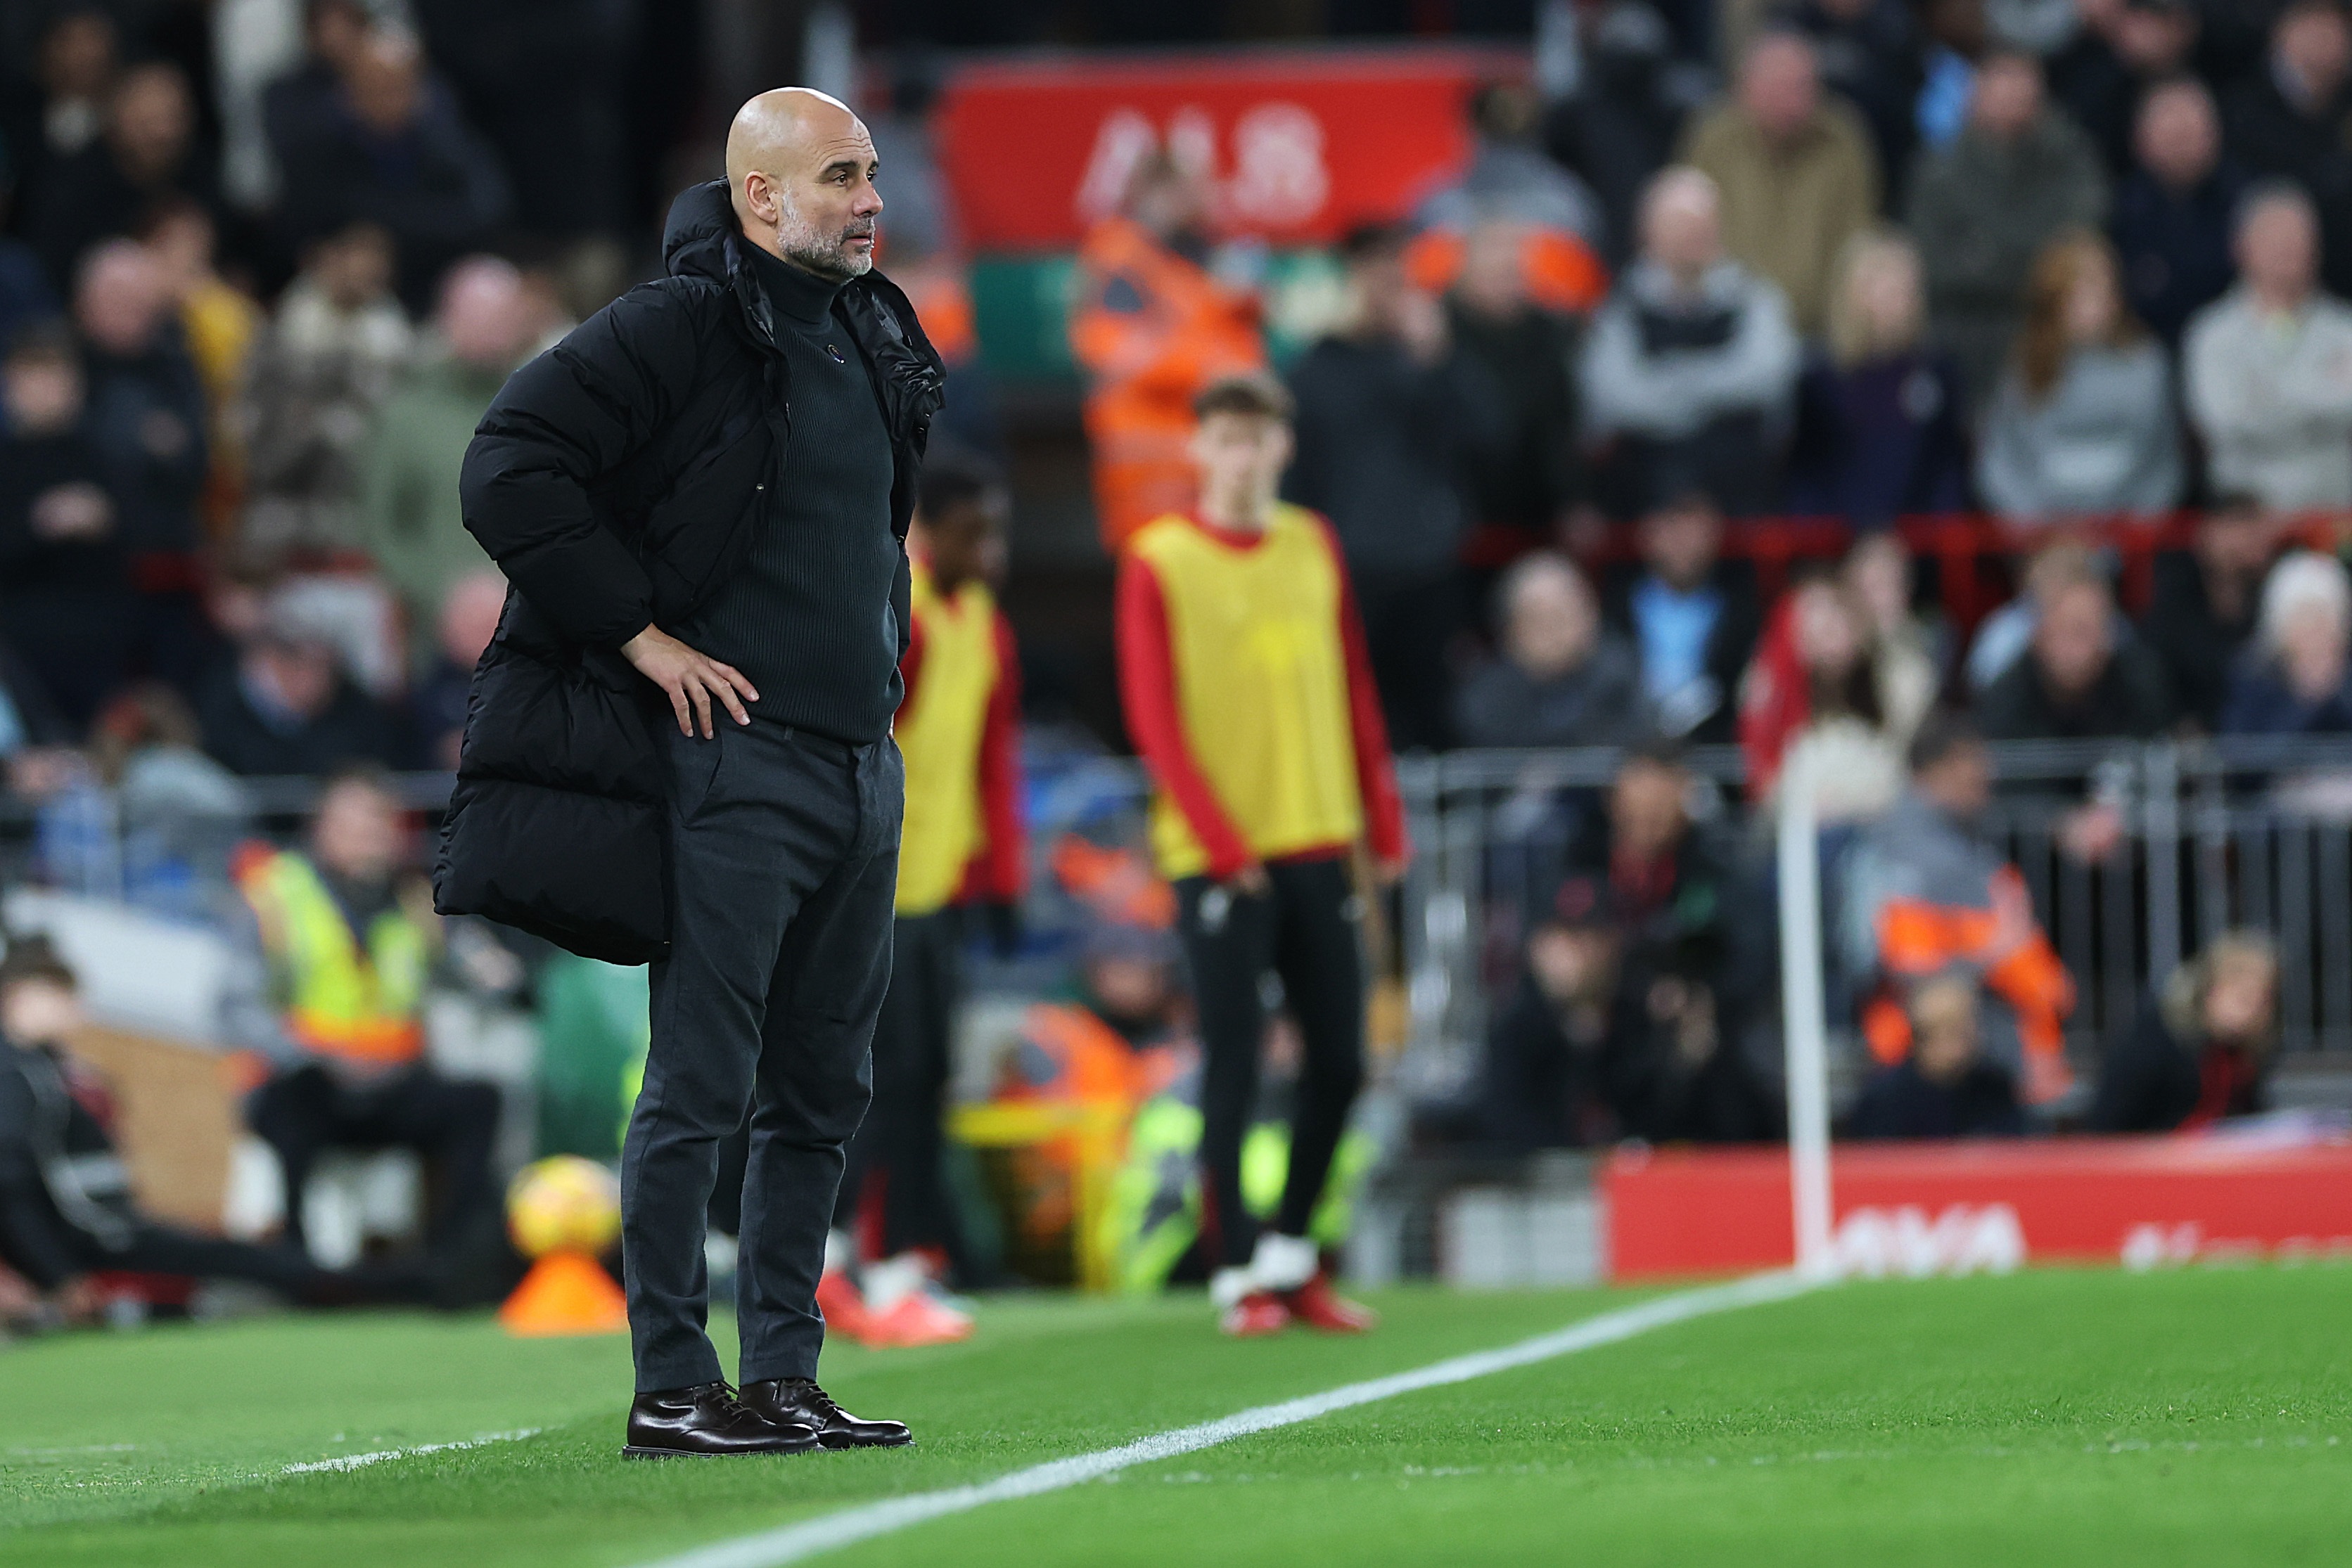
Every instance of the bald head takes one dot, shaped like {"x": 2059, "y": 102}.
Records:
{"x": 2278, "y": 246}
{"x": 1780, "y": 85}
{"x": 1681, "y": 223}
{"x": 801, "y": 171}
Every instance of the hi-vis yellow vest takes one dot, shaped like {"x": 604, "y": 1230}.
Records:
{"x": 342, "y": 1001}
{"x": 1261, "y": 685}
{"x": 939, "y": 734}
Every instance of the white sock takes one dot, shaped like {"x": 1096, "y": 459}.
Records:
{"x": 1227, "y": 1286}
{"x": 840, "y": 1253}
{"x": 1283, "y": 1263}
{"x": 893, "y": 1279}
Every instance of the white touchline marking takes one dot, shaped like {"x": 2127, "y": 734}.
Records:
{"x": 791, "y": 1542}
{"x": 353, "y": 1461}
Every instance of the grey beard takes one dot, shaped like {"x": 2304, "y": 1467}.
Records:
{"x": 801, "y": 244}
{"x": 829, "y": 261}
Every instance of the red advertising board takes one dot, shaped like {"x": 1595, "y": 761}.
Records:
{"x": 1942, "y": 1208}
{"x": 1301, "y": 144}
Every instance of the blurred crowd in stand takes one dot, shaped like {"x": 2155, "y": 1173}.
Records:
{"x": 1904, "y": 265}
{"x": 2071, "y": 270}
{"x": 2050, "y": 263}
{"x": 2075, "y": 266}
{"x": 261, "y": 266}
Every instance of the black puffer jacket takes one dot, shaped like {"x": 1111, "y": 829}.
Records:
{"x": 617, "y": 479}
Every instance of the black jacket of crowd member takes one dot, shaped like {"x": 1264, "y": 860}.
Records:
{"x": 351, "y": 727}
{"x": 1677, "y": 912}
{"x": 1686, "y": 1080}
{"x": 2273, "y": 137}
{"x": 2194, "y": 642}
{"x": 1654, "y": 1064}
{"x": 2127, "y": 700}
{"x": 2156, "y": 1073}
{"x": 432, "y": 183}
{"x": 145, "y": 421}
{"x": 64, "y": 1193}
{"x": 42, "y": 572}
{"x": 1386, "y": 446}
{"x": 1551, "y": 1076}
{"x": 1901, "y": 1102}
{"x": 539, "y": 78}
{"x": 1689, "y": 975}
{"x": 88, "y": 195}
{"x": 1706, "y": 712}
{"x": 67, "y": 1207}
{"x": 619, "y": 480}
{"x": 1677, "y": 920}
{"x": 1536, "y": 471}
{"x": 1620, "y": 127}
{"x": 65, "y": 598}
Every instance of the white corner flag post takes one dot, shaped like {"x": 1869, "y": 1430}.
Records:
{"x": 1802, "y": 1022}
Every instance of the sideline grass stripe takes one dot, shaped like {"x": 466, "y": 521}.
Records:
{"x": 353, "y": 1461}
{"x": 828, "y": 1532}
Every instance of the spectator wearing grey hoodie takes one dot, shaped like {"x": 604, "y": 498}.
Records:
{"x": 2269, "y": 364}
{"x": 1558, "y": 680}
{"x": 1692, "y": 364}
{"x": 2083, "y": 424}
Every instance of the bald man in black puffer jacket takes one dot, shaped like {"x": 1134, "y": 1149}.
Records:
{"x": 678, "y": 749}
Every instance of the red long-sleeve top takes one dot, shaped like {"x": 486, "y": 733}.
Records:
{"x": 1155, "y": 721}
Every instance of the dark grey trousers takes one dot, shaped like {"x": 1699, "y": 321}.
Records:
{"x": 784, "y": 851}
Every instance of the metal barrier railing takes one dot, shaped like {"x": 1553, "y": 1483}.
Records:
{"x": 2240, "y": 832}
{"x": 2216, "y": 834}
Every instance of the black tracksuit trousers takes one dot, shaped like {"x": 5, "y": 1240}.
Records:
{"x": 1304, "y": 929}
{"x": 899, "y": 1143}
{"x": 784, "y": 856}
{"x": 303, "y": 1112}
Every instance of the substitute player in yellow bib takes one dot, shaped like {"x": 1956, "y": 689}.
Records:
{"x": 1249, "y": 695}
{"x": 959, "y": 728}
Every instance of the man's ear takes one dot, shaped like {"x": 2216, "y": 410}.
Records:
{"x": 760, "y": 197}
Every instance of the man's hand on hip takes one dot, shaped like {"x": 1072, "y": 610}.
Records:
{"x": 690, "y": 680}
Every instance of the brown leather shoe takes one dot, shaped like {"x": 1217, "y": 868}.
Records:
{"x": 799, "y": 1401}
{"x": 708, "y": 1421}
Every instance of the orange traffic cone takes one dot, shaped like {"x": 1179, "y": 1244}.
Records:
{"x": 565, "y": 1294}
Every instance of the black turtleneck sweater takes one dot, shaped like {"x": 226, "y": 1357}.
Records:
{"x": 810, "y": 617}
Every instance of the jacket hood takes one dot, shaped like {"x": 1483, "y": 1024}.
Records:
{"x": 694, "y": 241}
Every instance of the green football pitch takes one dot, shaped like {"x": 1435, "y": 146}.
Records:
{"x": 2203, "y": 1417}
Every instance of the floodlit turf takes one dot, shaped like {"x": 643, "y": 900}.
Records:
{"x": 2200, "y": 1417}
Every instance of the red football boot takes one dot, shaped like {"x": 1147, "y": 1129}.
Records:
{"x": 844, "y": 1307}
{"x": 1254, "y": 1316}
{"x": 1319, "y": 1306}
{"x": 918, "y": 1318}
